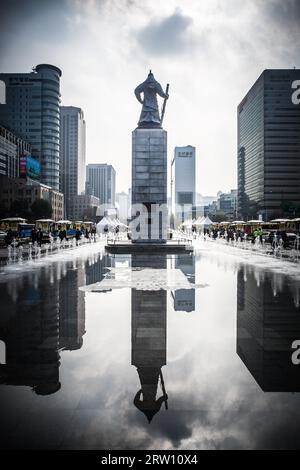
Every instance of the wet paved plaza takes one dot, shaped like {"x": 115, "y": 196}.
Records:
{"x": 95, "y": 355}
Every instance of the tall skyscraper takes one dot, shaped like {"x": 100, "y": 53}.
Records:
{"x": 184, "y": 174}
{"x": 72, "y": 155}
{"x": 123, "y": 206}
{"x": 72, "y": 309}
{"x": 101, "y": 178}
{"x": 31, "y": 111}
{"x": 269, "y": 147}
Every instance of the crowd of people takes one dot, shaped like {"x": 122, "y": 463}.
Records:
{"x": 88, "y": 234}
{"x": 257, "y": 235}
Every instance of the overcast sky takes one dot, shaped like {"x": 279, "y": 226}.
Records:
{"x": 210, "y": 51}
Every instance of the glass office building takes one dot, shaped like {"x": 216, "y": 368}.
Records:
{"x": 72, "y": 155}
{"x": 31, "y": 112}
{"x": 184, "y": 179}
{"x": 269, "y": 147}
{"x": 101, "y": 180}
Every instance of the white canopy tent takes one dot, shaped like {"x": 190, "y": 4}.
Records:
{"x": 199, "y": 221}
{"x": 205, "y": 222}
{"x": 105, "y": 222}
{"x": 111, "y": 224}
{"x": 114, "y": 222}
{"x": 121, "y": 224}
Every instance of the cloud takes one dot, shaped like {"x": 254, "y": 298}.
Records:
{"x": 286, "y": 13}
{"x": 211, "y": 52}
{"x": 16, "y": 12}
{"x": 37, "y": 19}
{"x": 169, "y": 35}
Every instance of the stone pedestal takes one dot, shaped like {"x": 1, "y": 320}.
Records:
{"x": 149, "y": 183}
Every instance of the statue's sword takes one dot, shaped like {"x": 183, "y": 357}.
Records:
{"x": 164, "y": 105}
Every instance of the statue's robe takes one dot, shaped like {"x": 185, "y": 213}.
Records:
{"x": 150, "y": 112}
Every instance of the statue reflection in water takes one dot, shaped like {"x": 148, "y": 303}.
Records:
{"x": 149, "y": 340}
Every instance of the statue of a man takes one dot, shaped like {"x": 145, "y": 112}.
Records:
{"x": 150, "y": 113}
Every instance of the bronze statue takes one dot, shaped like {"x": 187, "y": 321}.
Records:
{"x": 150, "y": 117}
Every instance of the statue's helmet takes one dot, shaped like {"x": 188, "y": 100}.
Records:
{"x": 150, "y": 77}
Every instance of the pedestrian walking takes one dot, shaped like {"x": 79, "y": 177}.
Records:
{"x": 39, "y": 237}
{"x": 78, "y": 236}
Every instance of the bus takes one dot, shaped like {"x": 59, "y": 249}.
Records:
{"x": 47, "y": 227}
{"x": 67, "y": 226}
{"x": 11, "y": 223}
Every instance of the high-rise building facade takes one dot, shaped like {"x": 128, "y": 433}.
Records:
{"x": 12, "y": 148}
{"x": 183, "y": 180}
{"x": 269, "y": 147}
{"x": 101, "y": 178}
{"x": 29, "y": 191}
{"x": 72, "y": 155}
{"x": 85, "y": 207}
{"x": 226, "y": 204}
{"x": 123, "y": 206}
{"x": 31, "y": 111}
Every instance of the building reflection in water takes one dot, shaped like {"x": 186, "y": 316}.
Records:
{"x": 149, "y": 339}
{"x": 268, "y": 322}
{"x": 30, "y": 330}
{"x": 72, "y": 310}
{"x": 184, "y": 299}
{"x": 42, "y": 314}
{"x": 2, "y": 352}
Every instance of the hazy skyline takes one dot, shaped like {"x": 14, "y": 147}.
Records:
{"x": 210, "y": 51}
